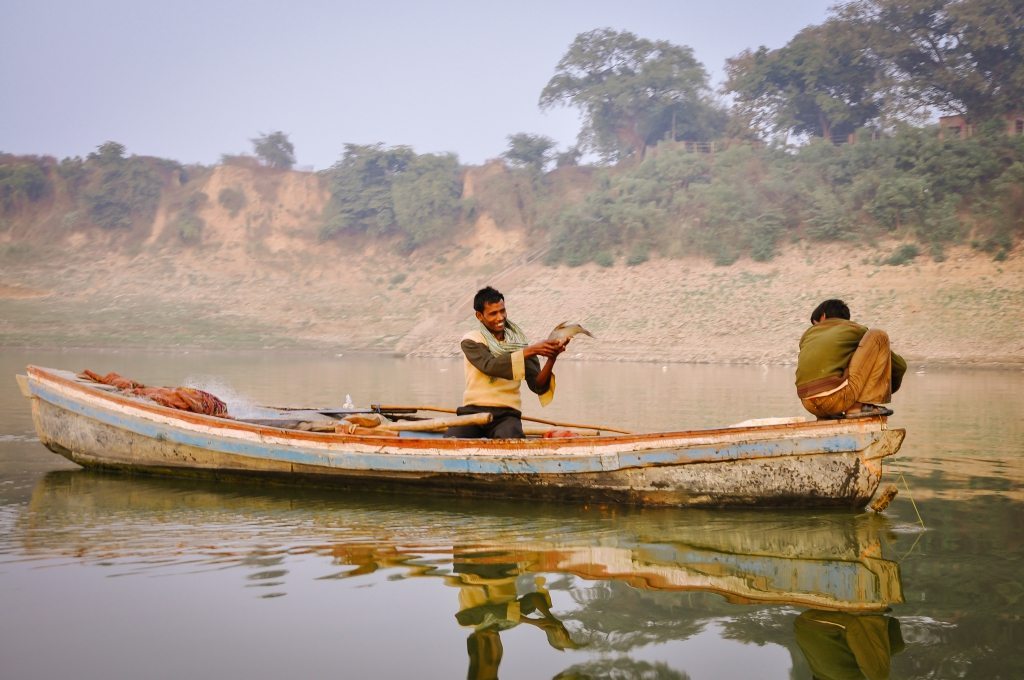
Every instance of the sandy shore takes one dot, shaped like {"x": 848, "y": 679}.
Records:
{"x": 966, "y": 310}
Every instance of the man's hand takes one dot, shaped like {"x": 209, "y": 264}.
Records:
{"x": 545, "y": 348}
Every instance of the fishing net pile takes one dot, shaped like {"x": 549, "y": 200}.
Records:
{"x": 181, "y": 398}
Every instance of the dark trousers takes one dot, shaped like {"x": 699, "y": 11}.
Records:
{"x": 506, "y": 423}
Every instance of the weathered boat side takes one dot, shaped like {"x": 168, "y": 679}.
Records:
{"x": 820, "y": 464}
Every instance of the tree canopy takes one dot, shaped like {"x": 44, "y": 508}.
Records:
{"x": 274, "y": 149}
{"x": 822, "y": 83}
{"x": 959, "y": 56}
{"x": 122, "y": 191}
{"x": 529, "y": 151}
{"x": 393, "y": 191}
{"x": 22, "y": 182}
{"x": 361, "y": 187}
{"x": 633, "y": 92}
{"x": 886, "y": 60}
{"x": 108, "y": 154}
{"x": 428, "y": 198}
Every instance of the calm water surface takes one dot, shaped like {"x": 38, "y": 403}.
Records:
{"x": 107, "y": 576}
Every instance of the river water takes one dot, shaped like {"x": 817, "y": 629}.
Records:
{"x": 109, "y": 576}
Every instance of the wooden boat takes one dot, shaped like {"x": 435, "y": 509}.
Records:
{"x": 825, "y": 560}
{"x": 774, "y": 463}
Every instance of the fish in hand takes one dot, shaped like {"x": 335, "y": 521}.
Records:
{"x": 565, "y": 331}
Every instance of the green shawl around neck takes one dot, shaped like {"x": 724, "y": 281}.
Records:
{"x": 515, "y": 339}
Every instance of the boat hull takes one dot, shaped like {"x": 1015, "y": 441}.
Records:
{"x": 808, "y": 464}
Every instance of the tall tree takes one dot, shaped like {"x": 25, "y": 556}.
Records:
{"x": 822, "y": 83}
{"x": 108, "y": 154}
{"x": 122, "y": 191}
{"x": 275, "y": 150}
{"x": 529, "y": 151}
{"x": 383, "y": 191}
{"x": 959, "y": 56}
{"x": 427, "y": 197}
{"x": 632, "y": 91}
{"x": 361, "y": 188}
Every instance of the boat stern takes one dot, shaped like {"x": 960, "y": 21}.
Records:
{"x": 886, "y": 445}
{"x": 23, "y": 385}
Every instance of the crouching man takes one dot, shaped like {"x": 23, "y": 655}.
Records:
{"x": 844, "y": 369}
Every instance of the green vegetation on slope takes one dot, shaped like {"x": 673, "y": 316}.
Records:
{"x": 746, "y": 200}
{"x": 393, "y": 191}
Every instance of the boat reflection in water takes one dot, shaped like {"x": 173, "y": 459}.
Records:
{"x": 501, "y": 557}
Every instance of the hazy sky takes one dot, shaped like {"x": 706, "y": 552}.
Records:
{"x": 193, "y": 80}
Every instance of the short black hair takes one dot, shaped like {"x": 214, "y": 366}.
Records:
{"x": 486, "y": 296}
{"x": 832, "y": 309}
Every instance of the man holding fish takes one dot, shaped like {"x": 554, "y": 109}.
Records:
{"x": 498, "y": 358}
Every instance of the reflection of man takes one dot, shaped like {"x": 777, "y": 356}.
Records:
{"x": 843, "y": 646}
{"x": 489, "y": 603}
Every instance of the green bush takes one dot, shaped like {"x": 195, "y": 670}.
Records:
{"x": 746, "y": 200}
{"x": 189, "y": 224}
{"x": 122, "y": 191}
{"x": 576, "y": 259}
{"x": 725, "y": 256}
{"x": 232, "y": 199}
{"x": 427, "y": 198}
{"x": 360, "y": 185}
{"x": 74, "y": 174}
{"x": 638, "y": 255}
{"x": 393, "y": 191}
{"x": 190, "y": 227}
{"x": 902, "y": 255}
{"x": 22, "y": 183}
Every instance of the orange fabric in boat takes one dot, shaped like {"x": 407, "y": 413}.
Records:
{"x": 181, "y": 398}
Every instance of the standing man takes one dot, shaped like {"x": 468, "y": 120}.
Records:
{"x": 844, "y": 369}
{"x": 497, "y": 359}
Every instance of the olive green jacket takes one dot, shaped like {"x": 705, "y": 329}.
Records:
{"x": 825, "y": 351}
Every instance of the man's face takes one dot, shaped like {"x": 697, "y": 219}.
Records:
{"x": 493, "y": 318}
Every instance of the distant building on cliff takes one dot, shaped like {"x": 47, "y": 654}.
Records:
{"x": 959, "y": 127}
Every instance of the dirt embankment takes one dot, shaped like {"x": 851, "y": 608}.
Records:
{"x": 259, "y": 277}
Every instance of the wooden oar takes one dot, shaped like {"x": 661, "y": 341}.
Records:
{"x": 437, "y": 424}
{"x": 438, "y": 409}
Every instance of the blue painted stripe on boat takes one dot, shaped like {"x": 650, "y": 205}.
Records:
{"x": 526, "y": 463}
{"x": 757, "y": 449}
